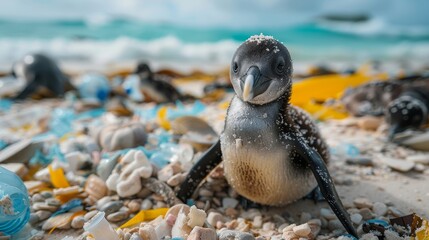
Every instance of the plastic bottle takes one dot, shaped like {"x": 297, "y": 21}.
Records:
{"x": 14, "y": 203}
{"x": 100, "y": 228}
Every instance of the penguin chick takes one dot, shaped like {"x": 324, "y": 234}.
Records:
{"x": 156, "y": 88}
{"x": 42, "y": 77}
{"x": 408, "y": 111}
{"x": 272, "y": 152}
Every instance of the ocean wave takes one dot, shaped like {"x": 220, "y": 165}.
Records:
{"x": 200, "y": 55}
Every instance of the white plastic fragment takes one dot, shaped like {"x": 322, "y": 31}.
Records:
{"x": 100, "y": 228}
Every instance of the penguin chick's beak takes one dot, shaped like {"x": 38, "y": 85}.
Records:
{"x": 250, "y": 83}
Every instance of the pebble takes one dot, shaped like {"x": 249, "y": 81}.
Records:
{"x": 89, "y": 215}
{"x": 134, "y": 205}
{"x": 199, "y": 233}
{"x": 117, "y": 216}
{"x": 236, "y": 235}
{"x": 46, "y": 194}
{"x": 61, "y": 221}
{"x": 397, "y": 164}
{"x": 53, "y": 202}
{"x": 111, "y": 207}
{"x": 78, "y": 222}
{"x": 42, "y": 215}
{"x": 163, "y": 229}
{"x": 356, "y": 218}
{"x": 395, "y": 212}
{"x": 362, "y": 203}
{"x": 229, "y": 202}
{"x": 268, "y": 226}
{"x": 327, "y": 213}
{"x": 379, "y": 208}
{"x": 146, "y": 204}
{"x": 335, "y": 225}
{"x": 67, "y": 191}
{"x": 363, "y": 161}
{"x": 305, "y": 217}
{"x": 421, "y": 158}
{"x": 302, "y": 230}
{"x": 180, "y": 227}
{"x": 257, "y": 222}
{"x": 176, "y": 180}
{"x": 33, "y": 219}
{"x": 37, "y": 198}
{"x": 214, "y": 217}
{"x": 366, "y": 213}
{"x": 43, "y": 206}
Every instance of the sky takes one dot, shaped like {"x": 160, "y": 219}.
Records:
{"x": 218, "y": 13}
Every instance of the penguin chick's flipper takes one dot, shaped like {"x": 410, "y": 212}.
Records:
{"x": 320, "y": 172}
{"x": 199, "y": 171}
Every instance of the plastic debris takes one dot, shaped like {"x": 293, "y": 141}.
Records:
{"x": 58, "y": 178}
{"x": 94, "y": 87}
{"x": 145, "y": 215}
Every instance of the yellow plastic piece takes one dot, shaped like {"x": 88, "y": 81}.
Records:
{"x": 423, "y": 232}
{"x": 322, "y": 88}
{"x": 322, "y": 112}
{"x": 162, "y": 118}
{"x": 224, "y": 105}
{"x": 57, "y": 177}
{"x": 145, "y": 215}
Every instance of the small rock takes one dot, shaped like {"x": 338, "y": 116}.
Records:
{"x": 369, "y": 236}
{"x": 289, "y": 235}
{"x": 335, "y": 225}
{"x": 199, "y": 233}
{"x": 231, "y": 234}
{"x": 37, "y": 198}
{"x": 136, "y": 236}
{"x": 229, "y": 202}
{"x": 46, "y": 194}
{"x": 257, "y": 222}
{"x": 356, "y": 218}
{"x": 215, "y": 217}
{"x": 399, "y": 165}
{"x": 67, "y": 191}
{"x": 42, "y": 215}
{"x": 180, "y": 227}
{"x": 268, "y": 226}
{"x": 134, "y": 206}
{"x": 362, "y": 203}
{"x": 327, "y": 213}
{"x": 89, "y": 215}
{"x": 379, "y": 208}
{"x": 111, "y": 207}
{"x": 78, "y": 222}
{"x": 117, "y": 216}
{"x": 163, "y": 229}
{"x": 231, "y": 212}
{"x": 289, "y": 228}
{"x": 366, "y": 213}
{"x": 95, "y": 187}
{"x": 420, "y": 158}
{"x": 369, "y": 122}
{"x": 146, "y": 204}
{"x": 61, "y": 221}
{"x": 395, "y": 212}
{"x": 363, "y": 161}
{"x": 33, "y": 219}
{"x": 197, "y": 217}
{"x": 302, "y": 230}
{"x": 176, "y": 180}
{"x": 43, "y": 206}
{"x": 419, "y": 167}
{"x": 53, "y": 202}
{"x": 305, "y": 217}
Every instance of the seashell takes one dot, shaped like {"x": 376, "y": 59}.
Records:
{"x": 78, "y": 222}
{"x": 417, "y": 141}
{"x": 20, "y": 152}
{"x": 67, "y": 191}
{"x": 95, "y": 187}
{"x": 120, "y": 136}
{"x": 62, "y": 221}
{"x": 195, "y": 131}
{"x": 133, "y": 167}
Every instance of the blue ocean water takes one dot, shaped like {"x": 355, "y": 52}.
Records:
{"x": 126, "y": 39}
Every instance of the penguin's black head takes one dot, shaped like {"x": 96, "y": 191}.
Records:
{"x": 143, "y": 70}
{"x": 405, "y": 113}
{"x": 261, "y": 70}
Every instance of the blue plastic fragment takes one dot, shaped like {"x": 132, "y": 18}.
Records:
{"x": 5, "y": 104}
{"x": 40, "y": 159}
{"x": 68, "y": 206}
{"x": 94, "y": 87}
{"x": 177, "y": 238}
{"x": 190, "y": 202}
{"x": 180, "y": 110}
{"x": 61, "y": 121}
{"x": 3, "y": 144}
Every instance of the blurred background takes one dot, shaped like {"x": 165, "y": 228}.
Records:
{"x": 188, "y": 34}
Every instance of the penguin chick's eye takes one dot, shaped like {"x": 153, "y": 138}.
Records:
{"x": 235, "y": 67}
{"x": 280, "y": 67}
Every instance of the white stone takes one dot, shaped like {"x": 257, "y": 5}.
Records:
{"x": 196, "y": 217}
{"x": 379, "y": 208}
{"x": 229, "y": 202}
{"x": 302, "y": 230}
